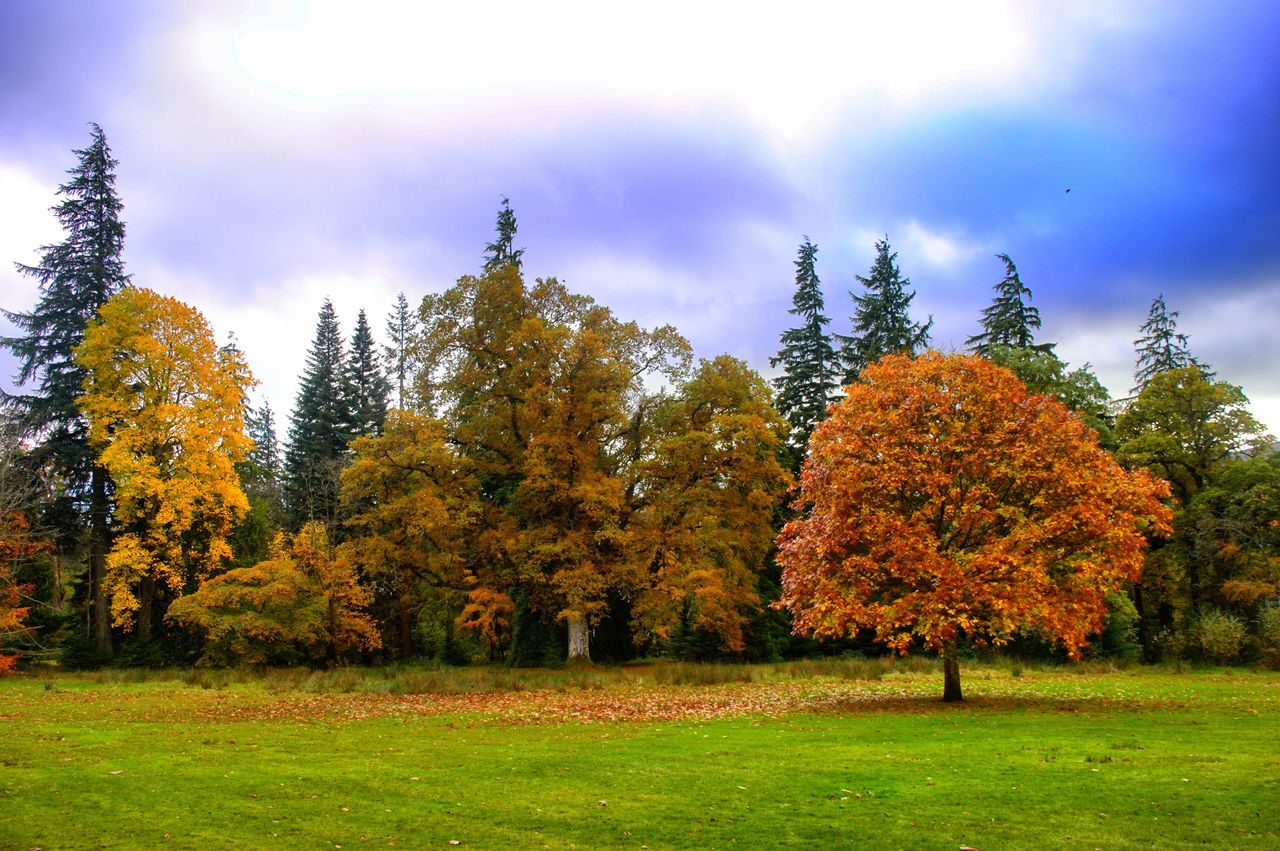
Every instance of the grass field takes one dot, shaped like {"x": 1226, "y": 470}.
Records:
{"x": 856, "y": 754}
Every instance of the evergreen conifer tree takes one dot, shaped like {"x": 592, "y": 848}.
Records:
{"x": 809, "y": 369}
{"x": 366, "y": 385}
{"x": 882, "y": 322}
{"x": 319, "y": 428}
{"x": 1161, "y": 347}
{"x": 263, "y": 467}
{"x": 502, "y": 250}
{"x": 1011, "y": 320}
{"x": 402, "y": 328}
{"x": 77, "y": 276}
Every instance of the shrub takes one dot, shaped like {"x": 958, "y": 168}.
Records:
{"x": 1220, "y": 636}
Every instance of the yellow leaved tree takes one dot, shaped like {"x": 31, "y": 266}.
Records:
{"x": 166, "y": 413}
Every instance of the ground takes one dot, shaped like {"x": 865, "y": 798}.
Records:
{"x": 850, "y": 754}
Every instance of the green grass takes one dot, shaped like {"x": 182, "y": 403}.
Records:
{"x": 843, "y": 753}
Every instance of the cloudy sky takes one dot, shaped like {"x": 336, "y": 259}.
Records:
{"x": 668, "y": 159}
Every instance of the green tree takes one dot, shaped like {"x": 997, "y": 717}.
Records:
{"x": 882, "y": 322}
{"x": 1079, "y": 389}
{"x": 502, "y": 251}
{"x": 1161, "y": 347}
{"x": 400, "y": 354}
{"x": 77, "y": 277}
{"x": 809, "y": 367}
{"x": 319, "y": 428}
{"x": 1010, "y": 320}
{"x": 367, "y": 388}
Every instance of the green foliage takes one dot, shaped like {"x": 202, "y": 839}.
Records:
{"x": 1119, "y": 637}
{"x": 1161, "y": 347}
{"x": 400, "y": 355}
{"x": 1219, "y": 636}
{"x": 502, "y": 251}
{"x": 366, "y": 387}
{"x": 1079, "y": 389}
{"x": 809, "y": 366}
{"x": 1010, "y": 320}
{"x": 881, "y": 322}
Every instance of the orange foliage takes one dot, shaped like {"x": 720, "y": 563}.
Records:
{"x": 16, "y": 543}
{"x": 488, "y": 614}
{"x": 942, "y": 501}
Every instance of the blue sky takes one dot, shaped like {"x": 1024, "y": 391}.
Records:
{"x": 669, "y": 159}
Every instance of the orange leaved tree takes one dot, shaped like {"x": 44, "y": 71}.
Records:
{"x": 942, "y": 502}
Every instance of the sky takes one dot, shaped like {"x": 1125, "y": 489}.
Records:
{"x": 668, "y": 158}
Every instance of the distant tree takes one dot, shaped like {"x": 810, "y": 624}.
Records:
{"x": 502, "y": 251}
{"x": 1161, "y": 347}
{"x": 1079, "y": 389}
{"x": 809, "y": 368}
{"x": 166, "y": 411}
{"x": 941, "y": 503}
{"x": 77, "y": 276}
{"x": 881, "y": 322}
{"x": 1010, "y": 320}
{"x": 261, "y": 477}
{"x": 400, "y": 355}
{"x": 367, "y": 388}
{"x": 319, "y": 428}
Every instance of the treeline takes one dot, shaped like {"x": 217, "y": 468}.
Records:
{"x": 516, "y": 473}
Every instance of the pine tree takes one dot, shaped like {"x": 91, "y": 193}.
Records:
{"x": 881, "y": 322}
{"x": 1010, "y": 320}
{"x": 366, "y": 386}
{"x": 1161, "y": 347}
{"x": 402, "y": 329}
{"x": 76, "y": 276}
{"x": 808, "y": 361}
{"x": 318, "y": 428}
{"x": 502, "y": 250}
{"x": 263, "y": 468}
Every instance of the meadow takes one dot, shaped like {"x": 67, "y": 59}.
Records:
{"x": 841, "y": 753}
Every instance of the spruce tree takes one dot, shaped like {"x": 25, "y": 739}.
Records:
{"x": 318, "y": 428}
{"x": 366, "y": 386}
{"x": 402, "y": 329}
{"x": 1161, "y": 347}
{"x": 1010, "y": 320}
{"x": 263, "y": 467}
{"x": 502, "y": 250}
{"x": 808, "y": 361}
{"x": 881, "y": 322}
{"x": 76, "y": 276}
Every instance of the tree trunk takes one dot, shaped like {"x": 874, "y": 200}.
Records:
{"x": 99, "y": 542}
{"x": 406, "y": 627}
{"x": 146, "y": 609}
{"x": 951, "y": 675}
{"x": 579, "y": 650}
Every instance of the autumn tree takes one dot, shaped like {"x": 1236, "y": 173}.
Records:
{"x": 1010, "y": 320}
{"x": 76, "y": 276}
{"x": 166, "y": 413}
{"x": 704, "y": 520}
{"x": 1161, "y": 347}
{"x": 303, "y": 603}
{"x": 941, "y": 502}
{"x": 413, "y": 505}
{"x": 882, "y": 322}
{"x": 809, "y": 368}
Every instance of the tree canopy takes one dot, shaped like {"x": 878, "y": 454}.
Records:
{"x": 1011, "y": 320}
{"x": 808, "y": 361}
{"x": 882, "y": 322}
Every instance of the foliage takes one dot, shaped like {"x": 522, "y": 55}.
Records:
{"x": 16, "y": 544}
{"x": 399, "y": 355}
{"x": 366, "y": 387}
{"x": 488, "y": 614}
{"x": 809, "y": 367}
{"x": 882, "y": 323}
{"x": 1079, "y": 389}
{"x": 1220, "y": 635}
{"x": 301, "y": 603}
{"x": 502, "y": 251}
{"x": 1162, "y": 348}
{"x": 942, "y": 502}
{"x": 166, "y": 411}
{"x": 1010, "y": 320}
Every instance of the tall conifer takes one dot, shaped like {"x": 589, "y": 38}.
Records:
{"x": 1161, "y": 347}
{"x": 882, "y": 322}
{"x": 366, "y": 385}
{"x": 1011, "y": 320}
{"x": 76, "y": 276}
{"x": 809, "y": 369}
{"x": 502, "y": 250}
{"x": 318, "y": 429}
{"x": 402, "y": 330}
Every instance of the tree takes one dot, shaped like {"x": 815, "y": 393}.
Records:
{"x": 1010, "y": 320}
{"x": 502, "y": 251}
{"x": 1079, "y": 389}
{"x": 942, "y": 502}
{"x": 303, "y": 602}
{"x": 881, "y": 323}
{"x": 400, "y": 356}
{"x": 367, "y": 388}
{"x": 77, "y": 276}
{"x": 166, "y": 412}
{"x": 808, "y": 361}
{"x": 1161, "y": 347}
{"x": 319, "y": 428}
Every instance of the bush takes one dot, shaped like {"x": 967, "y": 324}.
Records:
{"x": 1220, "y": 636}
{"x": 1269, "y": 633}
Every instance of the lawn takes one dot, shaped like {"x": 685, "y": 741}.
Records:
{"x": 812, "y": 755}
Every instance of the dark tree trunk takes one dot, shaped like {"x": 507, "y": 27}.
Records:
{"x": 99, "y": 543}
{"x": 146, "y": 609}
{"x": 405, "y": 613}
{"x": 951, "y": 675}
